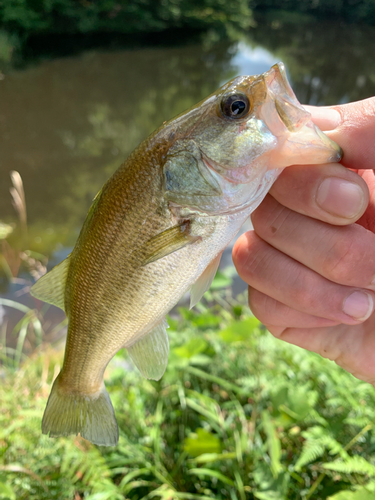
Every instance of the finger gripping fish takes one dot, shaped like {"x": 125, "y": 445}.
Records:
{"x": 157, "y": 229}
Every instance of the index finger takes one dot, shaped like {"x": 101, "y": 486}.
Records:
{"x": 352, "y": 126}
{"x": 330, "y": 193}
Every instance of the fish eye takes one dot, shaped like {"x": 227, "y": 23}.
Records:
{"x": 235, "y": 105}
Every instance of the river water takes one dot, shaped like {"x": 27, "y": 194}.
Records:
{"x": 67, "y": 123}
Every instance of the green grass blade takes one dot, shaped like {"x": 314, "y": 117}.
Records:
{"x": 20, "y": 342}
{"x": 212, "y": 473}
{"x": 213, "y": 378}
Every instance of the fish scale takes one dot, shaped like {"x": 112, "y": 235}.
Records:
{"x": 157, "y": 230}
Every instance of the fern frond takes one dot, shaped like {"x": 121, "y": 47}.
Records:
{"x": 318, "y": 441}
{"x": 356, "y": 464}
{"x": 310, "y": 452}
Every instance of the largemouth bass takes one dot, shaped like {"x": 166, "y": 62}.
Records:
{"x": 157, "y": 229}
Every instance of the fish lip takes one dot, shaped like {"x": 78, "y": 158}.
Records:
{"x": 336, "y": 158}
{"x": 243, "y": 175}
{"x": 211, "y": 165}
{"x": 278, "y": 72}
{"x": 223, "y": 172}
{"x": 338, "y": 153}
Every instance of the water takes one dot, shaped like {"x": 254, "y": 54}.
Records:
{"x": 66, "y": 124}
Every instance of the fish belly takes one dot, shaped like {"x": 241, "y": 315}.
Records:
{"x": 165, "y": 281}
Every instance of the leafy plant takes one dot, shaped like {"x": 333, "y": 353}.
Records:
{"x": 238, "y": 415}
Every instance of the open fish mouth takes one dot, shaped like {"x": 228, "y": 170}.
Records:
{"x": 300, "y": 140}
{"x": 306, "y": 146}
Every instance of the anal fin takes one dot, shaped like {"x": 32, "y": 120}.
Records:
{"x": 150, "y": 353}
{"x": 51, "y": 287}
{"x": 204, "y": 281}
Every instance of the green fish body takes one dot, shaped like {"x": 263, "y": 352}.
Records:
{"x": 157, "y": 229}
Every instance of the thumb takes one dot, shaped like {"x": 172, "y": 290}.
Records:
{"x": 352, "y": 126}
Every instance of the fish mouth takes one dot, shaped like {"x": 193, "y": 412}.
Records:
{"x": 307, "y": 146}
{"x": 300, "y": 140}
{"x": 239, "y": 175}
{"x": 338, "y": 153}
{"x": 276, "y": 77}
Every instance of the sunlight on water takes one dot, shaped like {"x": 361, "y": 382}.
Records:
{"x": 253, "y": 61}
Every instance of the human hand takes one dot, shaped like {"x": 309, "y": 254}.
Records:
{"x": 310, "y": 261}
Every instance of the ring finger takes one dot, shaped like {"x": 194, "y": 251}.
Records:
{"x": 344, "y": 255}
{"x": 291, "y": 283}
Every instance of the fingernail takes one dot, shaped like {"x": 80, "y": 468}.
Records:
{"x": 325, "y": 118}
{"x": 340, "y": 197}
{"x": 359, "y": 305}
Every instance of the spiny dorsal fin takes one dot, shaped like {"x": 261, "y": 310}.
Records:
{"x": 51, "y": 287}
{"x": 150, "y": 353}
{"x": 168, "y": 241}
{"x": 204, "y": 281}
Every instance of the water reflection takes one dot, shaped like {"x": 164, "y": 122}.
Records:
{"x": 67, "y": 124}
{"x": 328, "y": 63}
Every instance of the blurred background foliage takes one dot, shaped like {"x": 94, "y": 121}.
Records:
{"x": 352, "y": 11}
{"x": 238, "y": 415}
{"x": 26, "y": 17}
{"x": 21, "y": 20}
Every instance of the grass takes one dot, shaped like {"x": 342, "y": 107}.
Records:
{"x": 238, "y": 415}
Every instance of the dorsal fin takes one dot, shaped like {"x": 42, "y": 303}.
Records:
{"x": 204, "y": 281}
{"x": 51, "y": 287}
{"x": 150, "y": 353}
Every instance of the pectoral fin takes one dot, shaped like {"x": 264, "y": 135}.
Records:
{"x": 168, "y": 241}
{"x": 150, "y": 353}
{"x": 204, "y": 281}
{"x": 51, "y": 287}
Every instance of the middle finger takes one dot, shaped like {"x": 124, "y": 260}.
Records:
{"x": 342, "y": 254}
{"x": 284, "y": 279}
{"x": 330, "y": 193}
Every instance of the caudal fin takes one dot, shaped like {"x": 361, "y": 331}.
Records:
{"x": 92, "y": 416}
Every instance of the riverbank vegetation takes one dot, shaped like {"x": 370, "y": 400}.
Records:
{"x": 21, "y": 21}
{"x": 238, "y": 415}
{"x": 358, "y": 11}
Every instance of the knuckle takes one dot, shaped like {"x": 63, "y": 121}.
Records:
{"x": 305, "y": 293}
{"x": 366, "y": 109}
{"x": 277, "y": 331}
{"x": 344, "y": 260}
{"x": 268, "y": 310}
{"x": 249, "y": 255}
{"x": 338, "y": 261}
{"x": 258, "y": 304}
{"x": 240, "y": 251}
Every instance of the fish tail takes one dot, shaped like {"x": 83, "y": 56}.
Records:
{"x": 90, "y": 415}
